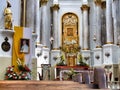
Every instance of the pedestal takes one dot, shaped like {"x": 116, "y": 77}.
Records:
{"x": 45, "y": 55}
{"x": 86, "y": 56}
{"x": 97, "y": 54}
{"x": 110, "y": 54}
{"x": 55, "y": 57}
{"x": 110, "y": 57}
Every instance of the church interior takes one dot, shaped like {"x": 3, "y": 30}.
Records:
{"x": 60, "y": 44}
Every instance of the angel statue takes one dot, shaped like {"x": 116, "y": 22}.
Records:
{"x": 8, "y": 17}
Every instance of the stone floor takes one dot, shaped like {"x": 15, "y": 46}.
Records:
{"x": 43, "y": 85}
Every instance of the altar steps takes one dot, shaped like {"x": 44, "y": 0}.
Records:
{"x": 43, "y": 85}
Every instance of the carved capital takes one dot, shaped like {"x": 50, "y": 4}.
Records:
{"x": 43, "y": 2}
{"x": 85, "y": 7}
{"x": 55, "y": 7}
{"x": 103, "y": 4}
{"x": 98, "y": 2}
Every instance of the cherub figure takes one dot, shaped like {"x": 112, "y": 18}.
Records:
{"x": 8, "y": 17}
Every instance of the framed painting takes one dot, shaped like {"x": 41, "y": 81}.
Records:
{"x": 24, "y": 45}
{"x": 69, "y": 31}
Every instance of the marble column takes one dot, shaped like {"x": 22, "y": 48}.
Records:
{"x": 85, "y": 51}
{"x": 115, "y": 20}
{"x": 85, "y": 9}
{"x": 98, "y": 23}
{"x": 44, "y": 22}
{"x": 55, "y": 8}
{"x": 109, "y": 24}
{"x": 37, "y": 19}
{"x": 30, "y": 14}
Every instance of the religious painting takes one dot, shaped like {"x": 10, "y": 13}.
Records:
{"x": 24, "y": 45}
{"x": 69, "y": 31}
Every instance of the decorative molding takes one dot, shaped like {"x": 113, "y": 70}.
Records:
{"x": 85, "y": 49}
{"x": 98, "y": 46}
{"x": 86, "y": 58}
{"x": 8, "y": 32}
{"x": 97, "y": 57}
{"x": 85, "y": 7}
{"x": 56, "y": 49}
{"x": 103, "y": 4}
{"x": 107, "y": 54}
{"x": 55, "y": 7}
{"x": 70, "y": 19}
{"x": 43, "y": 2}
{"x": 55, "y": 58}
{"x": 109, "y": 43}
{"x": 45, "y": 57}
{"x": 5, "y": 45}
{"x": 98, "y": 2}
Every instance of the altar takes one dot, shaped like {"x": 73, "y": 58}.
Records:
{"x": 60, "y": 70}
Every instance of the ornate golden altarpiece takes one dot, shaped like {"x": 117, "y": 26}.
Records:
{"x": 70, "y": 38}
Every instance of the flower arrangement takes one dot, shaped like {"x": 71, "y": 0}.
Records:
{"x": 62, "y": 61}
{"x": 10, "y": 74}
{"x": 81, "y": 63}
{"x": 22, "y": 73}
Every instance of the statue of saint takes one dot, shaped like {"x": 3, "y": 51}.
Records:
{"x": 8, "y": 17}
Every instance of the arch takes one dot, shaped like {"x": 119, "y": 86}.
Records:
{"x": 70, "y": 37}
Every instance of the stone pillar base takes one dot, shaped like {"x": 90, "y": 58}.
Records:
{"x": 55, "y": 57}
{"x": 97, "y": 57}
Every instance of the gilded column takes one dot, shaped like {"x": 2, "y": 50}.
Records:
{"x": 98, "y": 23}
{"x": 109, "y": 25}
{"x": 85, "y": 9}
{"x": 30, "y": 14}
{"x": 55, "y": 8}
{"x": 37, "y": 19}
{"x": 44, "y": 22}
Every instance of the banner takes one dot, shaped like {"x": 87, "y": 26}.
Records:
{"x": 22, "y": 46}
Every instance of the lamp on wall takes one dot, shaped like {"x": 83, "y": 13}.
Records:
{"x": 94, "y": 38}
{"x": 51, "y": 39}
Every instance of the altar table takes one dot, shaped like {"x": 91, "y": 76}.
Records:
{"x": 61, "y": 69}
